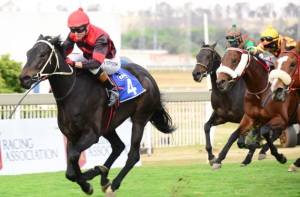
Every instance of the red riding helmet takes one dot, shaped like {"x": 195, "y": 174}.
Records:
{"x": 78, "y": 18}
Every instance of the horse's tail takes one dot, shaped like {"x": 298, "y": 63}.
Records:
{"x": 162, "y": 120}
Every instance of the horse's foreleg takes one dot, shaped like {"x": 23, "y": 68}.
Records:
{"x": 265, "y": 131}
{"x": 74, "y": 152}
{"x": 211, "y": 122}
{"x": 248, "y": 158}
{"x": 233, "y": 137}
{"x": 117, "y": 148}
{"x": 265, "y": 148}
{"x": 133, "y": 155}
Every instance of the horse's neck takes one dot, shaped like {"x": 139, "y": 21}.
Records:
{"x": 256, "y": 77}
{"x": 213, "y": 80}
{"x": 62, "y": 84}
{"x": 213, "y": 76}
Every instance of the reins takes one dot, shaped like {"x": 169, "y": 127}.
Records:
{"x": 41, "y": 74}
{"x": 249, "y": 56}
{"x": 39, "y": 81}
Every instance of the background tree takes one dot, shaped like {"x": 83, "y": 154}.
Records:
{"x": 9, "y": 72}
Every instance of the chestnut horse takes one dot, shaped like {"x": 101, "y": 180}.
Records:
{"x": 227, "y": 106}
{"x": 83, "y": 114}
{"x": 286, "y": 78}
{"x": 261, "y": 115}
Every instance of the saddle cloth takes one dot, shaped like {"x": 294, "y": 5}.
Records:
{"x": 128, "y": 85}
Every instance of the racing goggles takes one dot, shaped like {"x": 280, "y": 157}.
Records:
{"x": 230, "y": 37}
{"x": 267, "y": 38}
{"x": 78, "y": 29}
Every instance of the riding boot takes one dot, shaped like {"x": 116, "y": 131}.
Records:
{"x": 113, "y": 94}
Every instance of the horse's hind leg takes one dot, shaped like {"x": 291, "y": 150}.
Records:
{"x": 117, "y": 148}
{"x": 294, "y": 166}
{"x": 265, "y": 131}
{"x": 133, "y": 155}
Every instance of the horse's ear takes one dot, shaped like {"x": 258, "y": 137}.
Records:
{"x": 213, "y": 45}
{"x": 298, "y": 47}
{"x": 40, "y": 37}
{"x": 55, "y": 40}
{"x": 283, "y": 45}
{"x": 203, "y": 44}
{"x": 241, "y": 46}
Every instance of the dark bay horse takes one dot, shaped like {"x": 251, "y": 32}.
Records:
{"x": 83, "y": 113}
{"x": 227, "y": 106}
{"x": 286, "y": 78}
{"x": 260, "y": 116}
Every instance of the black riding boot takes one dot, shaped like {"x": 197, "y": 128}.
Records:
{"x": 113, "y": 94}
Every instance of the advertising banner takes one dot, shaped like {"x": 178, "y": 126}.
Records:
{"x": 37, "y": 145}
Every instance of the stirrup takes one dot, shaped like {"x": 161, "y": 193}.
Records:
{"x": 113, "y": 97}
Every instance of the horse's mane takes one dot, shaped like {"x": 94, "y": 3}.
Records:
{"x": 58, "y": 44}
{"x": 289, "y": 48}
{"x": 260, "y": 59}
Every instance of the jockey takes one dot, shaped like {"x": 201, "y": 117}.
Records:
{"x": 271, "y": 41}
{"x": 99, "y": 52}
{"x": 234, "y": 37}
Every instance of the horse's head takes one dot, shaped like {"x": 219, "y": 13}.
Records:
{"x": 208, "y": 60}
{"x": 286, "y": 75}
{"x": 42, "y": 60}
{"x": 233, "y": 65}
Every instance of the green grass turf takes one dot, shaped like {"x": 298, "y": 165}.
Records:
{"x": 264, "y": 178}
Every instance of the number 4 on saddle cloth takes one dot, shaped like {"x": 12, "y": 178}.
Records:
{"x": 128, "y": 85}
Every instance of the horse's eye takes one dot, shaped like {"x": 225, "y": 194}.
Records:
{"x": 209, "y": 56}
{"x": 234, "y": 61}
{"x": 43, "y": 54}
{"x": 293, "y": 64}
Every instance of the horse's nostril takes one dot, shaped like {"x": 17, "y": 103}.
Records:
{"x": 221, "y": 82}
{"x": 279, "y": 90}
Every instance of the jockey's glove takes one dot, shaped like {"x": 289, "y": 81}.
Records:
{"x": 252, "y": 49}
{"x": 70, "y": 62}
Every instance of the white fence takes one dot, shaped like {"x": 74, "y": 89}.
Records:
{"x": 188, "y": 111}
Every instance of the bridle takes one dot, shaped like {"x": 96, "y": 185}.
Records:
{"x": 215, "y": 55}
{"x": 297, "y": 72}
{"x": 241, "y": 69}
{"x": 42, "y": 76}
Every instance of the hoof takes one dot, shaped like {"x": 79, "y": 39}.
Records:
{"x": 91, "y": 190}
{"x": 262, "y": 156}
{"x": 216, "y": 166}
{"x": 293, "y": 168}
{"x": 243, "y": 165}
{"x": 104, "y": 188}
{"x": 110, "y": 193}
{"x": 211, "y": 162}
{"x": 283, "y": 160}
